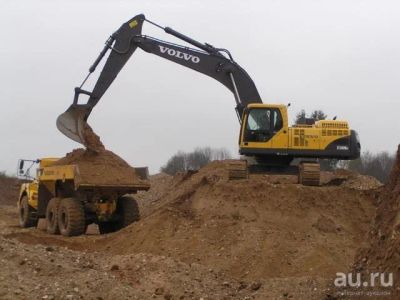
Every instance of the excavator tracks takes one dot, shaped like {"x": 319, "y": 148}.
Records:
{"x": 238, "y": 169}
{"x": 309, "y": 173}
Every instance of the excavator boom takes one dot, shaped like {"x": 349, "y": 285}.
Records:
{"x": 208, "y": 60}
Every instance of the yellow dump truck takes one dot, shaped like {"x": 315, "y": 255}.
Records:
{"x": 69, "y": 206}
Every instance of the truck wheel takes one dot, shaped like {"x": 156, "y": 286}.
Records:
{"x": 127, "y": 211}
{"x": 52, "y": 216}
{"x": 26, "y": 213}
{"x": 71, "y": 217}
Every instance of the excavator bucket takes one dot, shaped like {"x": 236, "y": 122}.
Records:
{"x": 72, "y": 122}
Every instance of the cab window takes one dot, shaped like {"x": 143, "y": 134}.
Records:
{"x": 259, "y": 119}
{"x": 262, "y": 124}
{"x": 277, "y": 120}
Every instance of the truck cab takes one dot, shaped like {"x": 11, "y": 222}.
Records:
{"x": 28, "y": 195}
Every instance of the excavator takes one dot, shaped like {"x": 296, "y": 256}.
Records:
{"x": 266, "y": 141}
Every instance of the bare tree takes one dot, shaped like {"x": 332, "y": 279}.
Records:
{"x": 177, "y": 163}
{"x": 300, "y": 117}
{"x": 221, "y": 154}
{"x": 201, "y": 156}
{"x": 377, "y": 165}
{"x": 316, "y": 114}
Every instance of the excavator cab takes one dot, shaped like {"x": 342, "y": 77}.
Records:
{"x": 264, "y": 127}
{"x": 262, "y": 124}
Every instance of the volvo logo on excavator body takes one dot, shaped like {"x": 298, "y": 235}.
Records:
{"x": 179, "y": 54}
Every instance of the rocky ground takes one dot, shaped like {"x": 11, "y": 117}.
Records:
{"x": 201, "y": 236}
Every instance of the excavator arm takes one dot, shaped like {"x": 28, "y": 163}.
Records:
{"x": 206, "y": 59}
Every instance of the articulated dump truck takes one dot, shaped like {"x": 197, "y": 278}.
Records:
{"x": 70, "y": 202}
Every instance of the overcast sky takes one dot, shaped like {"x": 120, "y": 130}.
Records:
{"x": 339, "y": 56}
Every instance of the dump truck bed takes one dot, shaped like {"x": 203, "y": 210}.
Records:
{"x": 102, "y": 179}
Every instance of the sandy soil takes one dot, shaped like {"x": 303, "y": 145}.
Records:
{"x": 100, "y": 168}
{"x": 201, "y": 236}
{"x": 9, "y": 189}
{"x": 382, "y": 253}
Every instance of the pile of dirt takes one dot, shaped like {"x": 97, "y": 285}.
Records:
{"x": 148, "y": 200}
{"x": 383, "y": 251}
{"x": 201, "y": 235}
{"x": 51, "y": 272}
{"x": 100, "y": 168}
{"x": 250, "y": 229}
{"x": 9, "y": 190}
{"x": 91, "y": 140}
{"x": 350, "y": 179}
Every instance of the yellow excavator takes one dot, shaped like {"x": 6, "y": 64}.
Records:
{"x": 266, "y": 142}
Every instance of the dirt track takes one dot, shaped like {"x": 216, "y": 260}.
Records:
{"x": 201, "y": 236}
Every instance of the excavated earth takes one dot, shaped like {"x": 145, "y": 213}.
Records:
{"x": 382, "y": 254}
{"x": 9, "y": 188}
{"x": 100, "y": 168}
{"x": 202, "y": 236}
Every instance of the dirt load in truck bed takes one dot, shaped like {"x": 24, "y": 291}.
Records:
{"x": 101, "y": 168}
{"x": 98, "y": 166}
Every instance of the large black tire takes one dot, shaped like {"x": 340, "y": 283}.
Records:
{"x": 52, "y": 216}
{"x": 127, "y": 213}
{"x": 71, "y": 217}
{"x": 26, "y": 214}
{"x": 107, "y": 227}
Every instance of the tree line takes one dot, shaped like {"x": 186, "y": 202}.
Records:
{"x": 195, "y": 160}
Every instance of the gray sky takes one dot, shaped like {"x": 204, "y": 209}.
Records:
{"x": 339, "y": 56}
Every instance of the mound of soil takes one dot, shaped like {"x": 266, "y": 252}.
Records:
{"x": 147, "y": 200}
{"x": 383, "y": 252}
{"x": 350, "y": 179}
{"x": 200, "y": 236}
{"x": 100, "y": 168}
{"x": 9, "y": 190}
{"x": 92, "y": 140}
{"x": 250, "y": 229}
